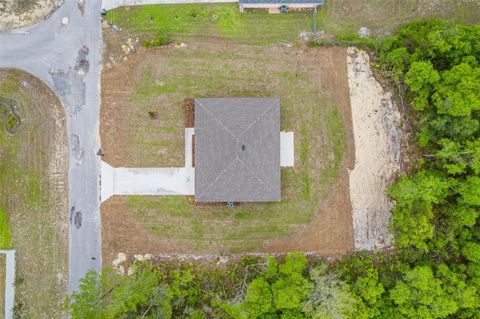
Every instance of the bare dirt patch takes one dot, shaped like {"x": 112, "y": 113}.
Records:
{"x": 33, "y": 194}
{"x": 378, "y": 140}
{"x": 315, "y": 214}
{"x": 335, "y": 210}
{"x": 20, "y": 13}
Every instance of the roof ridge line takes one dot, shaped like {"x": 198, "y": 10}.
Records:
{"x": 216, "y": 119}
{"x": 255, "y": 176}
{"x": 218, "y": 176}
{"x": 259, "y": 117}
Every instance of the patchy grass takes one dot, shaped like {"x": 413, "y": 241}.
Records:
{"x": 33, "y": 171}
{"x": 343, "y": 18}
{"x": 187, "y": 21}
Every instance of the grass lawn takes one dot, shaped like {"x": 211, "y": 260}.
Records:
{"x": 33, "y": 196}
{"x": 236, "y": 61}
{"x": 185, "y": 22}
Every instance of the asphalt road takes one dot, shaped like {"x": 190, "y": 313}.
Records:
{"x": 68, "y": 59}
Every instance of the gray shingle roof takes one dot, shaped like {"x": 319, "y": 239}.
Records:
{"x": 237, "y": 150}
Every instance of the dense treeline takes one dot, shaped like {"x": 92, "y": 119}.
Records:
{"x": 434, "y": 271}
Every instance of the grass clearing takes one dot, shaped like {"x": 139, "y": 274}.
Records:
{"x": 343, "y": 18}
{"x": 33, "y": 197}
{"x": 310, "y": 82}
{"x": 188, "y": 21}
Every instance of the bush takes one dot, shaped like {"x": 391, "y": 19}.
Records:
{"x": 157, "y": 42}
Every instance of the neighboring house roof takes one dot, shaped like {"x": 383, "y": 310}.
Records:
{"x": 237, "y": 150}
{"x": 280, "y": 1}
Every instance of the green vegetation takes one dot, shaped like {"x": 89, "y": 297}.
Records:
{"x": 186, "y": 21}
{"x": 439, "y": 63}
{"x": 247, "y": 288}
{"x": 341, "y": 18}
{"x": 360, "y": 286}
{"x": 344, "y": 18}
{"x": 5, "y": 237}
{"x": 32, "y": 202}
{"x": 9, "y": 119}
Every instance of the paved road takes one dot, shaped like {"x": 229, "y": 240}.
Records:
{"x": 112, "y": 4}
{"x": 68, "y": 59}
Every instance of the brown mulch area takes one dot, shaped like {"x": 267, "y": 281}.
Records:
{"x": 189, "y": 105}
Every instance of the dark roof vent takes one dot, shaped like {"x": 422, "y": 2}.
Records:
{"x": 243, "y": 147}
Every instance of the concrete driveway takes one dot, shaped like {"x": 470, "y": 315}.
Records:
{"x": 68, "y": 59}
{"x": 147, "y": 181}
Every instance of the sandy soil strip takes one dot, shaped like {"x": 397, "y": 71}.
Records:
{"x": 377, "y": 135}
{"x": 16, "y": 13}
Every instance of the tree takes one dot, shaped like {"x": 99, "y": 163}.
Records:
{"x": 458, "y": 94}
{"x": 331, "y": 297}
{"x": 412, "y": 214}
{"x": 111, "y": 295}
{"x": 279, "y": 290}
{"x": 421, "y": 295}
{"x": 470, "y": 191}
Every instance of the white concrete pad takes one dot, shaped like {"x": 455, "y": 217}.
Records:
{"x": 9, "y": 282}
{"x": 147, "y": 181}
{"x": 189, "y": 131}
{"x": 287, "y": 149}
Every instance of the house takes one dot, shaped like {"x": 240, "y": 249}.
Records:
{"x": 277, "y": 6}
{"x": 237, "y": 150}
{"x": 232, "y": 154}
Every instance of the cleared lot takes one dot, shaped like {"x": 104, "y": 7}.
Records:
{"x": 33, "y": 194}
{"x": 315, "y": 213}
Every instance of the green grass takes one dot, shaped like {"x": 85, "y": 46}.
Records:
{"x": 5, "y": 237}
{"x": 342, "y": 18}
{"x": 182, "y": 22}
{"x": 32, "y": 204}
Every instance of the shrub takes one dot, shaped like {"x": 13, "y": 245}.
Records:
{"x": 157, "y": 42}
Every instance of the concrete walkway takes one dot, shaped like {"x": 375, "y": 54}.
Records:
{"x": 287, "y": 149}
{"x": 9, "y": 282}
{"x": 112, "y": 4}
{"x": 150, "y": 181}
{"x": 169, "y": 180}
{"x": 147, "y": 181}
